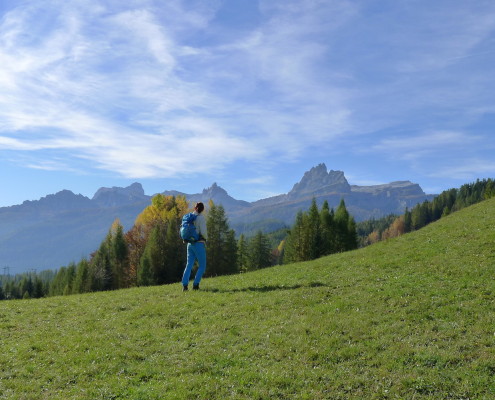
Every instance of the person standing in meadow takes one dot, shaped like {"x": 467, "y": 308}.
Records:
{"x": 196, "y": 250}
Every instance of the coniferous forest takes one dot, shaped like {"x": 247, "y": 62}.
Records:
{"x": 152, "y": 253}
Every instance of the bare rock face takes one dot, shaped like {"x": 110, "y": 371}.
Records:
{"x": 118, "y": 196}
{"x": 318, "y": 181}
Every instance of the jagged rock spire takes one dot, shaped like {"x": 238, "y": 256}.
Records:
{"x": 319, "y": 180}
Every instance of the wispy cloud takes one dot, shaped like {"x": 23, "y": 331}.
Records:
{"x": 102, "y": 88}
{"x": 136, "y": 87}
{"x": 114, "y": 88}
{"x": 431, "y": 140}
{"x": 467, "y": 169}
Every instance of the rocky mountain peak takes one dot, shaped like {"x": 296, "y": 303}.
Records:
{"x": 115, "y": 196}
{"x": 319, "y": 180}
{"x": 219, "y": 197}
{"x": 215, "y": 191}
{"x": 60, "y": 201}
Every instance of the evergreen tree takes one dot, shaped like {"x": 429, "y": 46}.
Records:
{"x": 11, "y": 290}
{"x": 38, "y": 290}
{"x": 259, "y": 252}
{"x": 154, "y": 256}
{"x": 175, "y": 256}
{"x": 26, "y": 287}
{"x": 294, "y": 245}
{"x": 489, "y": 189}
{"x": 242, "y": 253}
{"x": 59, "y": 283}
{"x": 351, "y": 235}
{"x": 101, "y": 267}
{"x": 313, "y": 232}
{"x": 214, "y": 247}
{"x": 82, "y": 282}
{"x": 419, "y": 216}
{"x": 220, "y": 254}
{"x": 327, "y": 230}
{"x": 407, "y": 221}
{"x": 71, "y": 275}
{"x": 118, "y": 255}
{"x": 231, "y": 253}
{"x": 145, "y": 277}
{"x": 341, "y": 227}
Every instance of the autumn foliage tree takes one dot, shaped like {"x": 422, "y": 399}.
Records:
{"x": 156, "y": 251}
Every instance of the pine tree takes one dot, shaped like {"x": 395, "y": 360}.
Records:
{"x": 221, "y": 252}
{"x": 341, "y": 227}
{"x": 313, "y": 232}
{"x": 242, "y": 253}
{"x": 154, "y": 256}
{"x": 101, "y": 267}
{"x": 82, "y": 282}
{"x": 118, "y": 255}
{"x": 327, "y": 229}
{"x": 407, "y": 221}
{"x": 175, "y": 256}
{"x": 351, "y": 235}
{"x": 145, "y": 277}
{"x": 60, "y": 282}
{"x": 259, "y": 252}
{"x": 232, "y": 265}
{"x": 214, "y": 247}
{"x": 294, "y": 245}
{"x": 26, "y": 287}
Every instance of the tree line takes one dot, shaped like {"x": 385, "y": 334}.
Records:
{"x": 422, "y": 214}
{"x": 152, "y": 253}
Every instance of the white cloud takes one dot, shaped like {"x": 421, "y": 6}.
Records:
{"x": 466, "y": 169}
{"x": 132, "y": 87}
{"x": 432, "y": 141}
{"x": 78, "y": 90}
{"x": 447, "y": 35}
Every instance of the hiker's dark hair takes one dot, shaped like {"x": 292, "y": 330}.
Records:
{"x": 199, "y": 207}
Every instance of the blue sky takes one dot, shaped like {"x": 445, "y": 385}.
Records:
{"x": 179, "y": 94}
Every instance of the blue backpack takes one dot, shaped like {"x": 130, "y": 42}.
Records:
{"x": 188, "y": 231}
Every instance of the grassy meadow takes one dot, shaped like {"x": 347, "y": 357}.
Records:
{"x": 409, "y": 318}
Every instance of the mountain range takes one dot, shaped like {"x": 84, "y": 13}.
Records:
{"x": 64, "y": 227}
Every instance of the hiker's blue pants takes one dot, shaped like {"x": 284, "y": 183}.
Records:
{"x": 195, "y": 251}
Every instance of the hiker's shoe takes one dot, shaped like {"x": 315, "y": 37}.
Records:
{"x": 195, "y": 287}
{"x": 185, "y": 288}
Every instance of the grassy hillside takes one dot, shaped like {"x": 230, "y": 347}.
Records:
{"x": 409, "y": 318}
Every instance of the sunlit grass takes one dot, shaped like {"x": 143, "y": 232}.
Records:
{"x": 408, "y": 318}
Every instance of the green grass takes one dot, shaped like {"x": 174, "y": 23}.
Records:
{"x": 410, "y": 318}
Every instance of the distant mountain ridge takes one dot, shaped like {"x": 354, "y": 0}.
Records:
{"x": 63, "y": 227}
{"x": 363, "y": 202}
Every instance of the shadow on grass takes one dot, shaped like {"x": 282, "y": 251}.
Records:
{"x": 265, "y": 288}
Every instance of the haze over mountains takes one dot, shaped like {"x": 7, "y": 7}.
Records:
{"x": 64, "y": 227}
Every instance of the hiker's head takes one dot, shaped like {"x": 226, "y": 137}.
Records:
{"x": 199, "y": 207}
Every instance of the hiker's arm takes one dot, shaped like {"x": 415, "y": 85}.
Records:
{"x": 202, "y": 227}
